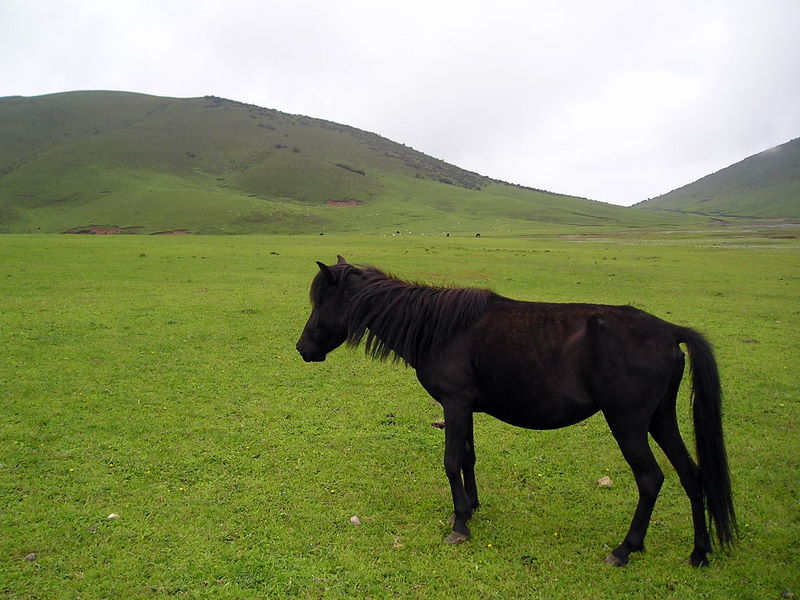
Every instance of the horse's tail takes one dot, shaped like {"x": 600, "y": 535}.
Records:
{"x": 711, "y": 455}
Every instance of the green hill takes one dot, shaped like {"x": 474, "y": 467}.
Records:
{"x": 210, "y": 165}
{"x": 764, "y": 185}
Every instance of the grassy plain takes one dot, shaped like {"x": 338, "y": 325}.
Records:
{"x": 155, "y": 378}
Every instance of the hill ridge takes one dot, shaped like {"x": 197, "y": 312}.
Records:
{"x": 763, "y": 185}
{"x": 214, "y": 165}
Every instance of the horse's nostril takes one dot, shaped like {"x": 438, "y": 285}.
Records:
{"x": 309, "y": 354}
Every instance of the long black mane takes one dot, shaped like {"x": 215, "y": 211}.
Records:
{"x": 409, "y": 321}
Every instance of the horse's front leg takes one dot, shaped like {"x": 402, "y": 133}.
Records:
{"x": 458, "y": 426}
{"x": 468, "y": 468}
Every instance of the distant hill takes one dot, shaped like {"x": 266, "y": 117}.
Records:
{"x": 126, "y": 162}
{"x": 764, "y": 185}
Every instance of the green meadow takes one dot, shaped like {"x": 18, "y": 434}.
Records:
{"x": 160, "y": 436}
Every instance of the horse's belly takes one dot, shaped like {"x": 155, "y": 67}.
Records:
{"x": 537, "y": 407}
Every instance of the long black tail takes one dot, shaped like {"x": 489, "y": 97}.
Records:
{"x": 711, "y": 455}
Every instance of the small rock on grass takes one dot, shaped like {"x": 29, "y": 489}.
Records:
{"x": 355, "y": 520}
{"x": 605, "y": 481}
{"x": 31, "y": 557}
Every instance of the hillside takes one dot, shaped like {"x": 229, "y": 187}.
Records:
{"x": 211, "y": 165}
{"x": 764, "y": 185}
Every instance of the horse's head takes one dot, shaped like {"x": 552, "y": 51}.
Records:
{"x": 326, "y": 328}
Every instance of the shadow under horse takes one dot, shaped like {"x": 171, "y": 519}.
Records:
{"x": 540, "y": 365}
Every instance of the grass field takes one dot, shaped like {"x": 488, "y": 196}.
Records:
{"x": 155, "y": 378}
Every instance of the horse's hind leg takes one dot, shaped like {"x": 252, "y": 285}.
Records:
{"x": 636, "y": 450}
{"x": 664, "y": 428}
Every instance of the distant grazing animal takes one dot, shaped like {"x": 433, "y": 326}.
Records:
{"x": 541, "y": 366}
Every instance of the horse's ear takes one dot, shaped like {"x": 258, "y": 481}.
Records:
{"x": 340, "y": 260}
{"x": 324, "y": 268}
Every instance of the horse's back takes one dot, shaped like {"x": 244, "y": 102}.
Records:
{"x": 548, "y": 365}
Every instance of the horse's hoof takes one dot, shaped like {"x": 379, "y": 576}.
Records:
{"x": 697, "y": 562}
{"x": 614, "y": 561}
{"x": 456, "y": 538}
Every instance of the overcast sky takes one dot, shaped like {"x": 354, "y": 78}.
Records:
{"x": 616, "y": 100}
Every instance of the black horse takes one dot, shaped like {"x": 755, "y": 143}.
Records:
{"x": 540, "y": 366}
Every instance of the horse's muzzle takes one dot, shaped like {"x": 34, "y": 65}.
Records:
{"x": 310, "y": 355}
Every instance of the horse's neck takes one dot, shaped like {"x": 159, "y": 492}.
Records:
{"x": 393, "y": 326}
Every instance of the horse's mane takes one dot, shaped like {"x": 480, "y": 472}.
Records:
{"x": 409, "y": 320}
